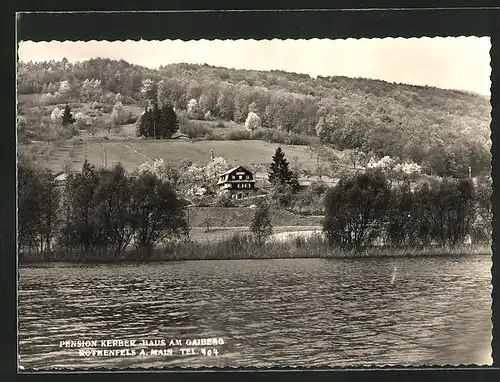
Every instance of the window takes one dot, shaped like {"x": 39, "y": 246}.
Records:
{"x": 241, "y": 177}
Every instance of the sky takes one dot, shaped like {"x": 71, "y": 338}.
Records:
{"x": 461, "y": 63}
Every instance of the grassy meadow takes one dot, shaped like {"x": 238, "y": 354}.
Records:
{"x": 131, "y": 151}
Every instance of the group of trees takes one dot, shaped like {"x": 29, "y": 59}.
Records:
{"x": 158, "y": 122}
{"x": 63, "y": 117}
{"x": 364, "y": 208}
{"x": 97, "y": 210}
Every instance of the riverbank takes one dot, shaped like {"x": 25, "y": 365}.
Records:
{"x": 241, "y": 246}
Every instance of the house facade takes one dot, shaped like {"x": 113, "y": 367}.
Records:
{"x": 238, "y": 182}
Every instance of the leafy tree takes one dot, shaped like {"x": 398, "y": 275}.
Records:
{"x": 81, "y": 228}
{"x": 64, "y": 87}
{"x": 38, "y": 209}
{"x": 261, "y": 226}
{"x": 225, "y": 102}
{"x": 149, "y": 90}
{"x": 322, "y": 130}
{"x": 97, "y": 123}
{"x": 355, "y": 210}
{"x": 241, "y": 101}
{"x": 118, "y": 115}
{"x": 280, "y": 173}
{"x": 158, "y": 215}
{"x": 208, "y": 100}
{"x": 481, "y": 230}
{"x": 112, "y": 208}
{"x": 162, "y": 170}
{"x": 453, "y": 210}
{"x": 403, "y": 217}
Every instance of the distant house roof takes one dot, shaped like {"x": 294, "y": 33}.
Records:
{"x": 178, "y": 135}
{"x": 61, "y": 177}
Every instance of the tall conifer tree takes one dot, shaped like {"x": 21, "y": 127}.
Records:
{"x": 67, "y": 118}
{"x": 280, "y": 173}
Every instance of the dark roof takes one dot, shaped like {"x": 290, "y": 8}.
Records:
{"x": 234, "y": 169}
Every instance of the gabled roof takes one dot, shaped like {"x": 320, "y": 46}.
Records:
{"x": 233, "y": 169}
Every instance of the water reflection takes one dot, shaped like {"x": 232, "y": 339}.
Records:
{"x": 300, "y": 312}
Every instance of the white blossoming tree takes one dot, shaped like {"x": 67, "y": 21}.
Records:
{"x": 408, "y": 168}
{"x": 161, "y": 170}
{"x": 386, "y": 163}
{"x": 82, "y": 120}
{"x": 214, "y": 168}
{"x": 192, "y": 108}
{"x": 253, "y": 121}
{"x": 198, "y": 179}
{"x": 118, "y": 115}
{"x": 57, "y": 116}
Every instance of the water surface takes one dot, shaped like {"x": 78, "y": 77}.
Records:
{"x": 287, "y": 312}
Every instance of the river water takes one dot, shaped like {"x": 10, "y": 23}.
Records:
{"x": 269, "y": 313}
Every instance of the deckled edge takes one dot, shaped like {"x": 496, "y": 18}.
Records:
{"x": 382, "y": 367}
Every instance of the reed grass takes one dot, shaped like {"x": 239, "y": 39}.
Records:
{"x": 243, "y": 246}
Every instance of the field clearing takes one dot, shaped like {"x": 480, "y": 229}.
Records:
{"x": 242, "y": 217}
{"x": 28, "y": 98}
{"x": 125, "y": 147}
{"x": 244, "y": 152}
{"x": 131, "y": 153}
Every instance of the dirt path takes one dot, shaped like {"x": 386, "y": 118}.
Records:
{"x": 136, "y": 152}
{"x": 281, "y": 227}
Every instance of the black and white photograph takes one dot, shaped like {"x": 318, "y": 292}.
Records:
{"x": 243, "y": 203}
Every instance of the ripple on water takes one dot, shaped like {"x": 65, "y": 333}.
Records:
{"x": 301, "y": 312}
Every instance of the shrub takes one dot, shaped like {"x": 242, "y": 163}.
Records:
{"x": 238, "y": 135}
{"x": 277, "y": 136}
{"x": 318, "y": 188}
{"x": 107, "y": 108}
{"x": 355, "y": 210}
{"x": 195, "y": 130}
{"x": 129, "y": 119}
{"x": 224, "y": 200}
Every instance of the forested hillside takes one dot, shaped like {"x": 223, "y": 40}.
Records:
{"x": 444, "y": 131}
